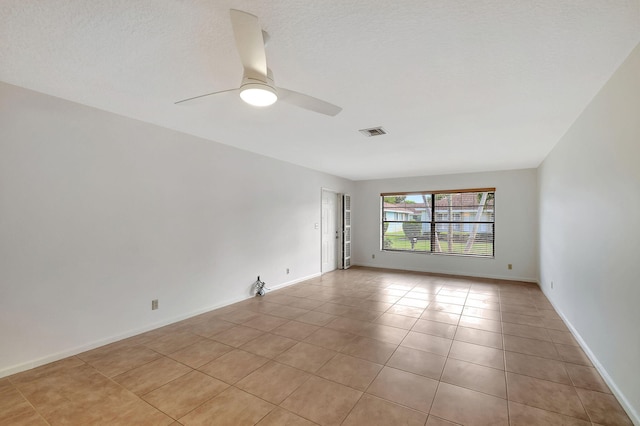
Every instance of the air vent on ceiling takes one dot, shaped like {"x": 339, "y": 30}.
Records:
{"x": 374, "y": 131}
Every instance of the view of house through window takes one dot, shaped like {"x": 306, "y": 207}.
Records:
{"x": 457, "y": 222}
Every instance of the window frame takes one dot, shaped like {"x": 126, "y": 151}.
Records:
{"x": 434, "y": 222}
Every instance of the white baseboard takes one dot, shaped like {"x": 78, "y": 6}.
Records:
{"x": 442, "y": 272}
{"x": 624, "y": 402}
{"x": 296, "y": 281}
{"x": 101, "y": 342}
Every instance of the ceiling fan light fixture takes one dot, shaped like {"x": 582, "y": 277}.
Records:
{"x": 258, "y": 94}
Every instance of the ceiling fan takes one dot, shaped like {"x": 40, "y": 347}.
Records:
{"x": 257, "y": 87}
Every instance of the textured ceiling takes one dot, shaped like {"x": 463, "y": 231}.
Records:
{"x": 460, "y": 86}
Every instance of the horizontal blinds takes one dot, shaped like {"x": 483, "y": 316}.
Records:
{"x": 460, "y": 222}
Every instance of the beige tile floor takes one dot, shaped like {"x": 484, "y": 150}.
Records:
{"x": 357, "y": 347}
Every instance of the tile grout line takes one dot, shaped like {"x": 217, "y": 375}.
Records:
{"x": 28, "y": 402}
{"x": 444, "y": 366}
{"x": 504, "y": 356}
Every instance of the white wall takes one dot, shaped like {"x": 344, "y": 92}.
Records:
{"x": 590, "y": 230}
{"x": 100, "y": 214}
{"x": 515, "y": 229}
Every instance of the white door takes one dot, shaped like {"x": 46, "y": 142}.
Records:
{"x": 329, "y": 231}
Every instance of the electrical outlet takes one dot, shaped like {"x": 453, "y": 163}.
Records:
{"x": 552, "y": 284}
{"x": 287, "y": 270}
{"x": 509, "y": 266}
{"x": 373, "y": 256}
{"x": 154, "y": 304}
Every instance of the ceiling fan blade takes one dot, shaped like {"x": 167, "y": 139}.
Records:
{"x": 250, "y": 43}
{"x": 308, "y": 102}
{"x": 202, "y": 96}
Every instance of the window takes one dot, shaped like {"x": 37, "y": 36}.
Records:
{"x": 455, "y": 222}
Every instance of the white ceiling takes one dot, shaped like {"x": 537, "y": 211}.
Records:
{"x": 460, "y": 86}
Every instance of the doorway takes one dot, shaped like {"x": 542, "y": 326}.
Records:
{"x": 329, "y": 231}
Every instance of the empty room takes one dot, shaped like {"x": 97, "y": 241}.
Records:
{"x": 230, "y": 212}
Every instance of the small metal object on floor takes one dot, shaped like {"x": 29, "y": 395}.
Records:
{"x": 261, "y": 287}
